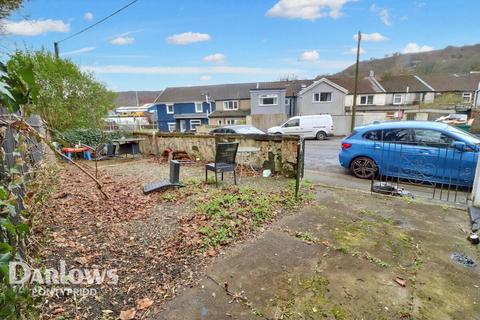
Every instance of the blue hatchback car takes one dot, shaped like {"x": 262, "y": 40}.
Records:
{"x": 422, "y": 151}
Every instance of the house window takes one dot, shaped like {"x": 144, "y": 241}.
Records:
{"x": 219, "y": 122}
{"x": 268, "y": 100}
{"x": 322, "y": 97}
{"x": 397, "y": 98}
{"x": 230, "y": 105}
{"x": 287, "y": 101}
{"x": 467, "y": 97}
{"x": 198, "y": 107}
{"x": 170, "y": 108}
{"x": 366, "y": 100}
{"x": 230, "y": 122}
{"x": 172, "y": 126}
{"x": 194, "y": 124}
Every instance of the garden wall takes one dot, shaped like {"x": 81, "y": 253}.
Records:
{"x": 277, "y": 153}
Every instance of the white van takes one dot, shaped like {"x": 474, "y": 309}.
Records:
{"x": 318, "y": 126}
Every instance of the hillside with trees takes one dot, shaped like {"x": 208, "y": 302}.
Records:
{"x": 445, "y": 61}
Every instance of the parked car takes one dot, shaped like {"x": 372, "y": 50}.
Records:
{"x": 423, "y": 151}
{"x": 238, "y": 129}
{"x": 317, "y": 126}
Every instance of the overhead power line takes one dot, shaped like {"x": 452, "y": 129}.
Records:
{"x": 90, "y": 27}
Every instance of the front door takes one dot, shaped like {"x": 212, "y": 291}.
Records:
{"x": 183, "y": 125}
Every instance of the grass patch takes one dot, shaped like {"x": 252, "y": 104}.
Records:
{"x": 309, "y": 299}
{"x": 306, "y": 236}
{"x": 232, "y": 212}
{"x": 377, "y": 239}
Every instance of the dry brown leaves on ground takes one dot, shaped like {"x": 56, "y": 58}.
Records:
{"x": 156, "y": 246}
{"x": 88, "y": 231}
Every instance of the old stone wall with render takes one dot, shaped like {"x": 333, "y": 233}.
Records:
{"x": 277, "y": 153}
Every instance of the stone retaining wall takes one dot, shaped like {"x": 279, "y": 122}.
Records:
{"x": 277, "y": 153}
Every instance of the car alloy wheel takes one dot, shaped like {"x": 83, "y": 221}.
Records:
{"x": 321, "y": 135}
{"x": 363, "y": 167}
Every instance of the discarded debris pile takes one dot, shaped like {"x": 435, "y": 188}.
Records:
{"x": 386, "y": 188}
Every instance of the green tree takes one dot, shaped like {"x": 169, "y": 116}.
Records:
{"x": 7, "y": 6}
{"x": 65, "y": 96}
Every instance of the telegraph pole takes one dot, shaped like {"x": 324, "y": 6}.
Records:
{"x": 354, "y": 105}
{"x": 57, "y": 50}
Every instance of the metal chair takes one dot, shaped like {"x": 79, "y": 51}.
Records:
{"x": 225, "y": 161}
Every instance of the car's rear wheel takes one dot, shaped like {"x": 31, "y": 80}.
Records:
{"x": 321, "y": 135}
{"x": 363, "y": 167}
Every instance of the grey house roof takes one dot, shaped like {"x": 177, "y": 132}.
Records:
{"x": 190, "y": 116}
{"x": 129, "y": 98}
{"x": 365, "y": 85}
{"x": 400, "y": 83}
{"x": 445, "y": 83}
{"x": 234, "y": 91}
{"x": 229, "y": 114}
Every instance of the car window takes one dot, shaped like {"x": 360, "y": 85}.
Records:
{"x": 246, "y": 130}
{"x": 431, "y": 138}
{"x": 292, "y": 123}
{"x": 375, "y": 135}
{"x": 464, "y": 135}
{"x": 396, "y": 135}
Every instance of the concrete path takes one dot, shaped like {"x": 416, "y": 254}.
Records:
{"x": 339, "y": 259}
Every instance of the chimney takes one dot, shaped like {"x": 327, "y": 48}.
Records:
{"x": 372, "y": 73}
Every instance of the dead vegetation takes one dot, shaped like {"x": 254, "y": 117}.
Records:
{"x": 158, "y": 243}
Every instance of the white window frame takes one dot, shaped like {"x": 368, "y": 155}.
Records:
{"x": 287, "y": 101}
{"x": 398, "y": 95}
{"x": 234, "y": 105}
{"x": 196, "y": 121}
{"x": 366, "y": 99}
{"x": 268, "y": 96}
{"x": 198, "y": 104}
{"x": 174, "y": 126}
{"x": 231, "y": 122}
{"x": 168, "y": 111}
{"x": 467, "y": 94}
{"x": 320, "y": 97}
{"x": 219, "y": 122}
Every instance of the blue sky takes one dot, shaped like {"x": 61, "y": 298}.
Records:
{"x": 156, "y": 44}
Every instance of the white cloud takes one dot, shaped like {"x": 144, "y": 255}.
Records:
{"x": 125, "y": 69}
{"x": 122, "y": 40}
{"x": 307, "y": 9}
{"x": 371, "y": 37}
{"x": 188, "y": 37}
{"x": 412, "y": 47}
{"x": 385, "y": 17}
{"x": 205, "y": 78}
{"x": 78, "y": 51}
{"x": 33, "y": 27}
{"x": 216, "y": 58}
{"x": 88, "y": 16}
{"x": 383, "y": 13}
{"x": 354, "y": 51}
{"x": 309, "y": 56}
